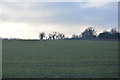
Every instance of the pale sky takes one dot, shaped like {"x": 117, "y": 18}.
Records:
{"x": 27, "y": 19}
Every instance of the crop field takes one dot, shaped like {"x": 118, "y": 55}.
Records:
{"x": 60, "y": 59}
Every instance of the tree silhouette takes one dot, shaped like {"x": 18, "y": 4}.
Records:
{"x": 54, "y": 35}
{"x": 113, "y": 34}
{"x": 113, "y": 31}
{"x": 74, "y": 36}
{"x": 105, "y": 35}
{"x": 61, "y": 36}
{"x": 42, "y": 35}
{"x": 50, "y": 36}
{"x": 89, "y": 33}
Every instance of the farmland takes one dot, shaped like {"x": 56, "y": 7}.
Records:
{"x": 60, "y": 59}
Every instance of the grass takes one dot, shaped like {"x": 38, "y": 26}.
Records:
{"x": 60, "y": 59}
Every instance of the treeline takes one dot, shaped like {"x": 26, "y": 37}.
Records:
{"x": 52, "y": 36}
{"x": 89, "y": 33}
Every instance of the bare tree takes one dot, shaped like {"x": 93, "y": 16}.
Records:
{"x": 89, "y": 33}
{"x": 113, "y": 31}
{"x": 42, "y": 35}
{"x": 74, "y": 36}
{"x": 54, "y": 35}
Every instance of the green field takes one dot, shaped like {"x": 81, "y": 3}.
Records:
{"x": 60, "y": 59}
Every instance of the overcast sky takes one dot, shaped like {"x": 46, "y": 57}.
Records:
{"x": 27, "y": 19}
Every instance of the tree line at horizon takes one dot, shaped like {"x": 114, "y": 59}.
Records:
{"x": 89, "y": 33}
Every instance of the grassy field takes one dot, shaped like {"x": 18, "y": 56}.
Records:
{"x": 60, "y": 59}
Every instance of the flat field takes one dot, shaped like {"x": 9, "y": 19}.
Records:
{"x": 60, "y": 59}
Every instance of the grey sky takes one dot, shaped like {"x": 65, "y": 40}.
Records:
{"x": 27, "y": 19}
